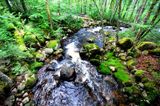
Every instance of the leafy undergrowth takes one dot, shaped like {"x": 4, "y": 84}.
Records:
{"x": 148, "y": 63}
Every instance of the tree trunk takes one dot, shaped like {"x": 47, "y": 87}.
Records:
{"x": 49, "y": 15}
{"x": 24, "y": 6}
{"x": 59, "y": 7}
{"x": 118, "y": 21}
{"x": 8, "y": 5}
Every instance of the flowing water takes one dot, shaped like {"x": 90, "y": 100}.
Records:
{"x": 73, "y": 81}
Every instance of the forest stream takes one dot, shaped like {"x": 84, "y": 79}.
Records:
{"x": 73, "y": 81}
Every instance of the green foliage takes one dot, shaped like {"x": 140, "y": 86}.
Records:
{"x": 35, "y": 65}
{"x": 139, "y": 72}
{"x": 110, "y": 60}
{"x": 19, "y": 68}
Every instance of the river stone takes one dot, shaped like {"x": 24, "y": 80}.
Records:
{"x": 21, "y": 86}
{"x": 146, "y": 46}
{"x": 52, "y": 44}
{"x": 10, "y": 100}
{"x": 67, "y": 73}
{"x": 48, "y": 50}
{"x": 31, "y": 81}
{"x": 25, "y": 100}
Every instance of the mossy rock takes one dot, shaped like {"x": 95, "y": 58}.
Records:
{"x": 155, "y": 52}
{"x": 91, "y": 47}
{"x": 125, "y": 43}
{"x": 31, "y": 81}
{"x": 131, "y": 63}
{"x": 4, "y": 88}
{"x": 139, "y": 73}
{"x": 106, "y": 33}
{"x": 146, "y": 46}
{"x": 52, "y": 44}
{"x": 38, "y": 55}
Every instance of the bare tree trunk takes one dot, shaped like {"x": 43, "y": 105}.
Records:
{"x": 100, "y": 13}
{"x": 49, "y": 15}
{"x": 118, "y": 21}
{"x": 8, "y": 5}
{"x": 24, "y": 6}
{"x": 141, "y": 31}
{"x": 59, "y": 7}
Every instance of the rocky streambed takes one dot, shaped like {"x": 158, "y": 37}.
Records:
{"x": 73, "y": 81}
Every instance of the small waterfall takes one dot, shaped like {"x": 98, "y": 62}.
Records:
{"x": 73, "y": 81}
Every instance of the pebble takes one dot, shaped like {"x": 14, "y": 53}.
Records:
{"x": 25, "y": 94}
{"x": 14, "y": 91}
{"x": 21, "y": 86}
{"x": 48, "y": 50}
{"x": 112, "y": 68}
{"x": 25, "y": 100}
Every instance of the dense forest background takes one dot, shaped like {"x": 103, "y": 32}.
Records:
{"x": 29, "y": 27}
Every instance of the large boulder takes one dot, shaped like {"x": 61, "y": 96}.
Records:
{"x": 125, "y": 43}
{"x": 155, "y": 52}
{"x": 146, "y": 46}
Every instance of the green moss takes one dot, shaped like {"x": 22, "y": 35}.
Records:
{"x": 90, "y": 47}
{"x": 125, "y": 43}
{"x": 155, "y": 52}
{"x": 19, "y": 39}
{"x": 31, "y": 81}
{"x": 52, "y": 44}
{"x": 38, "y": 55}
{"x": 146, "y": 46}
{"x": 30, "y": 38}
{"x": 122, "y": 75}
{"x": 104, "y": 68}
{"x": 139, "y": 73}
{"x": 36, "y": 65}
{"x": 131, "y": 63}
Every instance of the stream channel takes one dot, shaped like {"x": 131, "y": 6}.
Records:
{"x": 73, "y": 81}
